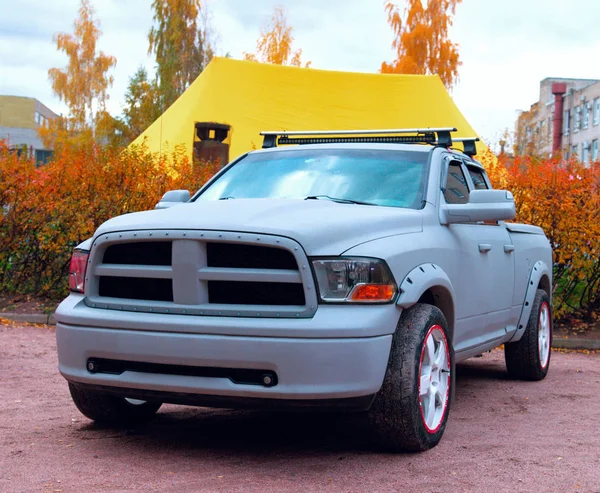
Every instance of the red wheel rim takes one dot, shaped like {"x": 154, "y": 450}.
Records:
{"x": 544, "y": 335}
{"x": 434, "y": 379}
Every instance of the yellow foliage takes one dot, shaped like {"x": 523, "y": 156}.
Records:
{"x": 421, "y": 40}
{"x": 83, "y": 84}
{"x": 275, "y": 43}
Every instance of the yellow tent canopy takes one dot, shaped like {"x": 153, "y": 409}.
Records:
{"x": 251, "y": 97}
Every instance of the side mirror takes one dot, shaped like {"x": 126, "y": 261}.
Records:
{"x": 172, "y": 198}
{"x": 483, "y": 205}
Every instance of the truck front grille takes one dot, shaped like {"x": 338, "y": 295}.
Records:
{"x": 200, "y": 273}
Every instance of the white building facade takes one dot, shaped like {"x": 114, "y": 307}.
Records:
{"x": 566, "y": 119}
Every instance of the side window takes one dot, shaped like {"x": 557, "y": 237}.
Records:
{"x": 457, "y": 191}
{"x": 478, "y": 179}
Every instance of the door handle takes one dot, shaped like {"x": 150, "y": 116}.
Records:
{"x": 484, "y": 247}
{"x": 509, "y": 248}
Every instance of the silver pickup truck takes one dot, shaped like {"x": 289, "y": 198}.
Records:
{"x": 328, "y": 270}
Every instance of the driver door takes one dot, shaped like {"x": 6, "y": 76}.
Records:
{"x": 485, "y": 271}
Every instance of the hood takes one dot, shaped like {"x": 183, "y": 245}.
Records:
{"x": 322, "y": 227}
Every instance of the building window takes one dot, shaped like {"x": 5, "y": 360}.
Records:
{"x": 595, "y": 150}
{"x": 596, "y": 111}
{"x": 585, "y": 152}
{"x": 40, "y": 119}
{"x": 574, "y": 152}
{"x": 586, "y": 115}
{"x": 567, "y": 122}
{"x": 42, "y": 157}
{"x": 577, "y": 119}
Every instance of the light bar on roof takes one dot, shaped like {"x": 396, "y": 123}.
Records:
{"x": 358, "y": 132}
{"x": 439, "y": 136}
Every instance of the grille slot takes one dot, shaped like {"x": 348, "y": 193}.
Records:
{"x": 255, "y": 293}
{"x": 244, "y": 376}
{"x": 139, "y": 253}
{"x": 136, "y": 288}
{"x": 242, "y": 256}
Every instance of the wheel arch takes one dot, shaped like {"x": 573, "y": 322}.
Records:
{"x": 546, "y": 285}
{"x": 428, "y": 283}
{"x": 539, "y": 278}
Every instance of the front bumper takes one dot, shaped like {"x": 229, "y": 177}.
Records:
{"x": 306, "y": 369}
{"x": 340, "y": 354}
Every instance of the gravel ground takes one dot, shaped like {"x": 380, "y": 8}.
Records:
{"x": 502, "y": 436}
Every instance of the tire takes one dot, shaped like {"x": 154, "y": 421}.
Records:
{"x": 529, "y": 357}
{"x": 110, "y": 409}
{"x": 400, "y": 418}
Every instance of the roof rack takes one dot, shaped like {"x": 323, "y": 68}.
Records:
{"x": 468, "y": 145}
{"x": 434, "y": 136}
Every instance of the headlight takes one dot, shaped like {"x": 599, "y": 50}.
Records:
{"x": 361, "y": 280}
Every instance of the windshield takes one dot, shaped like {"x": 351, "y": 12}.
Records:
{"x": 378, "y": 177}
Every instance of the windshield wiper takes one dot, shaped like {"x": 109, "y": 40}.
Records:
{"x": 227, "y": 198}
{"x": 335, "y": 199}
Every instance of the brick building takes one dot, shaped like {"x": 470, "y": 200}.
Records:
{"x": 20, "y": 118}
{"x": 566, "y": 118}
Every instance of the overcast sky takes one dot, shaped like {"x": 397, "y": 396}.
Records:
{"x": 506, "y": 46}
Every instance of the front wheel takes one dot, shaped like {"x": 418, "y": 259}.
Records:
{"x": 529, "y": 357}
{"x": 410, "y": 411}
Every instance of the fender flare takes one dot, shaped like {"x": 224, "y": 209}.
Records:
{"x": 538, "y": 270}
{"x": 419, "y": 280}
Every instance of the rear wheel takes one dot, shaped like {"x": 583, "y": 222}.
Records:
{"x": 410, "y": 411}
{"x": 529, "y": 357}
{"x": 104, "y": 408}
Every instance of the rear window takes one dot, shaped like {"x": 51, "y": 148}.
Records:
{"x": 478, "y": 179}
{"x": 457, "y": 191}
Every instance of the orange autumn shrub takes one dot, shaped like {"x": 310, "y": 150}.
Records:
{"x": 46, "y": 211}
{"x": 563, "y": 198}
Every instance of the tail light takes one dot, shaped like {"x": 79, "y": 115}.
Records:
{"x": 77, "y": 268}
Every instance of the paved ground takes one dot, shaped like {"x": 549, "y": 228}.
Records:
{"x": 502, "y": 436}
